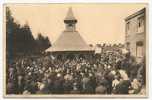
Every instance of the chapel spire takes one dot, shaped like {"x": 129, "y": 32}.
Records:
{"x": 70, "y": 20}
{"x": 70, "y": 15}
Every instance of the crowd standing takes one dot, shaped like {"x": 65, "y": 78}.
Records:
{"x": 107, "y": 73}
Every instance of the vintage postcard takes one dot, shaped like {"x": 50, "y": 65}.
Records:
{"x": 76, "y": 50}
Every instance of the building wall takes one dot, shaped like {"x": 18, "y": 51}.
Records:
{"x": 136, "y": 34}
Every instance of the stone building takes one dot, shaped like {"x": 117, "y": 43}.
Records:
{"x": 136, "y": 34}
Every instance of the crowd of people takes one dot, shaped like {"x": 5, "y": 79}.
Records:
{"x": 105, "y": 73}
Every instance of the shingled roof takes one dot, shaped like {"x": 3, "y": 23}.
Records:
{"x": 70, "y": 40}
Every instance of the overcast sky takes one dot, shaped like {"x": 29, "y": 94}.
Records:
{"x": 97, "y": 23}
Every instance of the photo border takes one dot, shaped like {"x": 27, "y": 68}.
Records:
{"x": 75, "y": 95}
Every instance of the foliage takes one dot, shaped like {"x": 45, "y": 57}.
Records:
{"x": 19, "y": 39}
{"x": 42, "y": 42}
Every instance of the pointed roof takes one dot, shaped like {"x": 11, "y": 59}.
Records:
{"x": 69, "y": 40}
{"x": 70, "y": 15}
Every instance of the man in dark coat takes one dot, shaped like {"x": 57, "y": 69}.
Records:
{"x": 123, "y": 87}
{"x": 58, "y": 85}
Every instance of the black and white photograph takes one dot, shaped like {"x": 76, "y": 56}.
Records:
{"x": 81, "y": 49}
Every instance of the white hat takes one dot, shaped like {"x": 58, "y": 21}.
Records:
{"x": 58, "y": 75}
{"x": 42, "y": 86}
{"x": 113, "y": 72}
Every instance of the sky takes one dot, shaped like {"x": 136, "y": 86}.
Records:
{"x": 97, "y": 23}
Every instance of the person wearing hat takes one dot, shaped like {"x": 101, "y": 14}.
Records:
{"x": 101, "y": 88}
{"x": 58, "y": 84}
{"x": 75, "y": 89}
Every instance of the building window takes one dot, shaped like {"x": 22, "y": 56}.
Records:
{"x": 128, "y": 26}
{"x": 139, "y": 49}
{"x": 141, "y": 21}
{"x": 128, "y": 46}
{"x": 70, "y": 25}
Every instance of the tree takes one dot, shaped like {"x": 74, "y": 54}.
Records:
{"x": 10, "y": 28}
{"x": 42, "y": 42}
{"x": 19, "y": 40}
{"x": 26, "y": 40}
